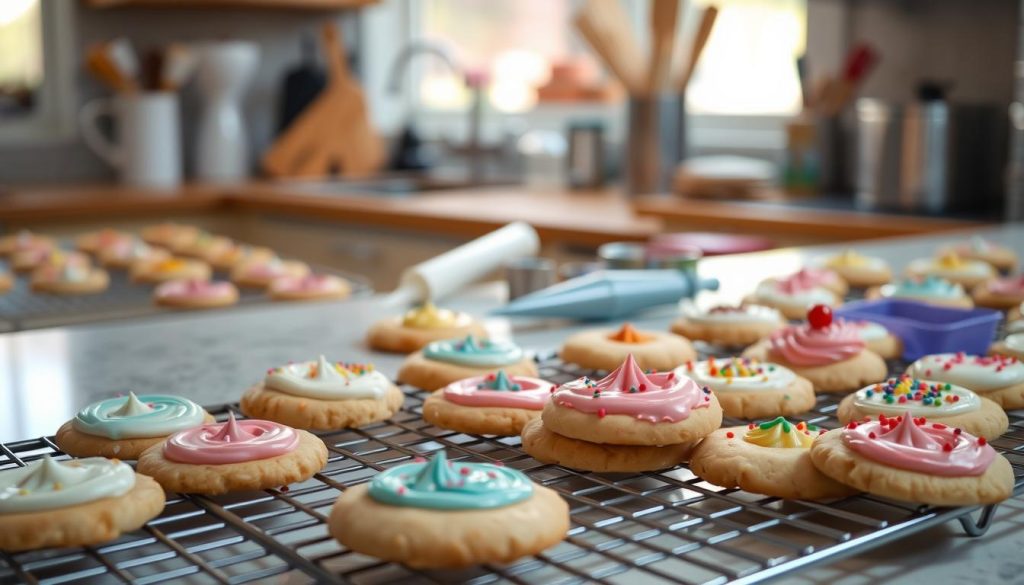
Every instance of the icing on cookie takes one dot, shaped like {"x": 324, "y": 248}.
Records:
{"x": 48, "y": 484}
{"x": 475, "y": 353}
{"x": 917, "y": 445}
{"x": 310, "y": 283}
{"x": 1007, "y": 287}
{"x": 26, "y": 240}
{"x": 1015, "y": 342}
{"x": 978, "y": 373}
{"x": 950, "y": 264}
{"x": 133, "y": 250}
{"x": 427, "y": 316}
{"x": 194, "y": 288}
{"x": 733, "y": 315}
{"x": 271, "y": 268}
{"x": 654, "y": 397}
{"x": 781, "y": 434}
{"x": 793, "y": 293}
{"x": 852, "y": 259}
{"x": 440, "y": 484}
{"x": 500, "y": 390}
{"x": 628, "y": 334}
{"x": 927, "y": 288}
{"x": 740, "y": 375}
{"x": 919, "y": 397}
{"x": 816, "y": 343}
{"x": 867, "y": 330}
{"x": 136, "y": 417}
{"x": 808, "y": 278}
{"x": 234, "y": 441}
{"x": 323, "y": 380}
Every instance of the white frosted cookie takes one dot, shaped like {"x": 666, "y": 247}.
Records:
{"x": 858, "y": 270}
{"x": 1011, "y": 346}
{"x": 792, "y": 297}
{"x": 952, "y": 267}
{"x": 728, "y": 326}
{"x": 998, "y": 378}
{"x": 747, "y": 388}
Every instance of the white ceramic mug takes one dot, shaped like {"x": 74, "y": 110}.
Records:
{"x": 147, "y": 149}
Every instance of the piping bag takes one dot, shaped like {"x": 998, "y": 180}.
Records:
{"x": 609, "y": 294}
{"x": 443, "y": 275}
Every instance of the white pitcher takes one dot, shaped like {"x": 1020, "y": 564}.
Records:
{"x": 222, "y": 149}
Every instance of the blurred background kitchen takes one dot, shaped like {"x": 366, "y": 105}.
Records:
{"x": 366, "y": 135}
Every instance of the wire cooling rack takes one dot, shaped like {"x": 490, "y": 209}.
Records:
{"x": 22, "y": 309}
{"x": 666, "y": 526}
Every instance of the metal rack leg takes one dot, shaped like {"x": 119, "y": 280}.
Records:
{"x": 980, "y": 526}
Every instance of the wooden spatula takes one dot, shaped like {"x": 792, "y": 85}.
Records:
{"x": 664, "y": 14}
{"x": 334, "y": 133}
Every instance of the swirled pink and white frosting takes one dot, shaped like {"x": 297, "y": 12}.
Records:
{"x": 655, "y": 397}
{"x": 808, "y": 278}
{"x": 234, "y": 441}
{"x": 310, "y": 283}
{"x": 195, "y": 288}
{"x": 918, "y": 445}
{"x": 1007, "y": 287}
{"x": 803, "y": 345}
{"x": 500, "y": 391}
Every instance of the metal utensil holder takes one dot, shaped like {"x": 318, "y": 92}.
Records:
{"x": 655, "y": 142}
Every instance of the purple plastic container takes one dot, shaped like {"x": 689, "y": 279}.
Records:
{"x": 927, "y": 329}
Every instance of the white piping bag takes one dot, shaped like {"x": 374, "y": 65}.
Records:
{"x": 445, "y": 274}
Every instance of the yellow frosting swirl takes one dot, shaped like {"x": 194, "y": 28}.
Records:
{"x": 950, "y": 260}
{"x": 428, "y": 316}
{"x": 847, "y": 258}
{"x": 781, "y": 434}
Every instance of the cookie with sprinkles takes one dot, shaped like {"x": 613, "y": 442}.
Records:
{"x": 914, "y": 459}
{"x": 748, "y": 388}
{"x": 323, "y": 395}
{"x": 999, "y": 378}
{"x": 942, "y": 402}
{"x": 770, "y": 458}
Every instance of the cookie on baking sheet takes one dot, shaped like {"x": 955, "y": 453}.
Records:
{"x": 1002, "y": 293}
{"x": 169, "y": 234}
{"x": 914, "y": 460}
{"x": 629, "y": 407}
{"x": 728, "y": 326}
{"x": 259, "y": 272}
{"x": 810, "y": 277}
{"x": 155, "y": 271}
{"x": 204, "y": 246}
{"x": 125, "y": 254}
{"x": 941, "y": 402}
{"x": 69, "y": 274}
{"x": 605, "y": 349}
{"x": 857, "y": 270}
{"x": 771, "y": 458}
{"x": 420, "y": 326}
{"x": 233, "y": 456}
{"x": 310, "y": 287}
{"x": 1010, "y": 346}
{"x": 998, "y": 378}
{"x": 97, "y": 241}
{"x": 81, "y": 502}
{"x": 748, "y": 388}
{"x": 126, "y": 426}
{"x": 929, "y": 289}
{"x": 792, "y": 296}
{"x": 833, "y": 356}
{"x": 442, "y": 514}
{"x": 237, "y": 254}
{"x": 1000, "y": 257}
{"x": 25, "y": 240}
{"x": 548, "y": 447}
{"x": 323, "y": 395}
{"x": 952, "y": 267}
{"x": 195, "y": 294}
{"x": 494, "y": 404}
{"x": 442, "y": 362}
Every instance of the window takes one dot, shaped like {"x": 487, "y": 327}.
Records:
{"x": 21, "y": 57}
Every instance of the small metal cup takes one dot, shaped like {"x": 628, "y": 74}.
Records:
{"x": 623, "y": 255}
{"x": 528, "y": 274}
{"x": 655, "y": 143}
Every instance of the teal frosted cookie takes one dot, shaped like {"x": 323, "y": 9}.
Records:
{"x": 442, "y": 362}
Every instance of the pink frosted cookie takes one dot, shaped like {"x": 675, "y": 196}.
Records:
{"x": 914, "y": 460}
{"x": 195, "y": 294}
{"x": 793, "y": 296}
{"x": 97, "y": 241}
{"x": 260, "y": 272}
{"x": 1001, "y": 293}
{"x": 495, "y": 404}
{"x": 309, "y": 287}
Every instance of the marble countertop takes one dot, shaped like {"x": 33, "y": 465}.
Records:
{"x": 46, "y": 375}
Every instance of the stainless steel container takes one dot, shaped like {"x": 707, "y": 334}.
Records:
{"x": 656, "y": 142}
{"x": 929, "y": 156}
{"x": 528, "y": 274}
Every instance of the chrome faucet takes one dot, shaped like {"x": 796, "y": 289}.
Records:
{"x": 473, "y": 80}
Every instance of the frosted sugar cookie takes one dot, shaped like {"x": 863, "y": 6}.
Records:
{"x": 25, "y": 240}
{"x": 195, "y": 294}
{"x": 857, "y": 270}
{"x": 442, "y": 362}
{"x": 233, "y": 456}
{"x": 126, "y": 253}
{"x": 728, "y": 326}
{"x": 811, "y": 277}
{"x": 204, "y": 246}
{"x": 941, "y": 402}
{"x": 605, "y": 349}
{"x": 51, "y": 503}
{"x": 548, "y": 447}
{"x": 978, "y": 248}
{"x": 1001, "y": 293}
{"x": 124, "y": 427}
{"x": 260, "y": 272}
{"x": 952, "y": 267}
{"x": 172, "y": 268}
{"x": 998, "y": 378}
{"x": 309, "y": 287}
{"x": 1011, "y": 346}
{"x": 419, "y": 326}
{"x": 771, "y": 458}
{"x": 929, "y": 289}
{"x": 748, "y": 388}
{"x": 494, "y": 404}
{"x": 444, "y": 514}
{"x": 792, "y": 297}
{"x": 914, "y": 460}
{"x": 169, "y": 234}
{"x": 69, "y": 274}
{"x": 323, "y": 395}
{"x": 97, "y": 241}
